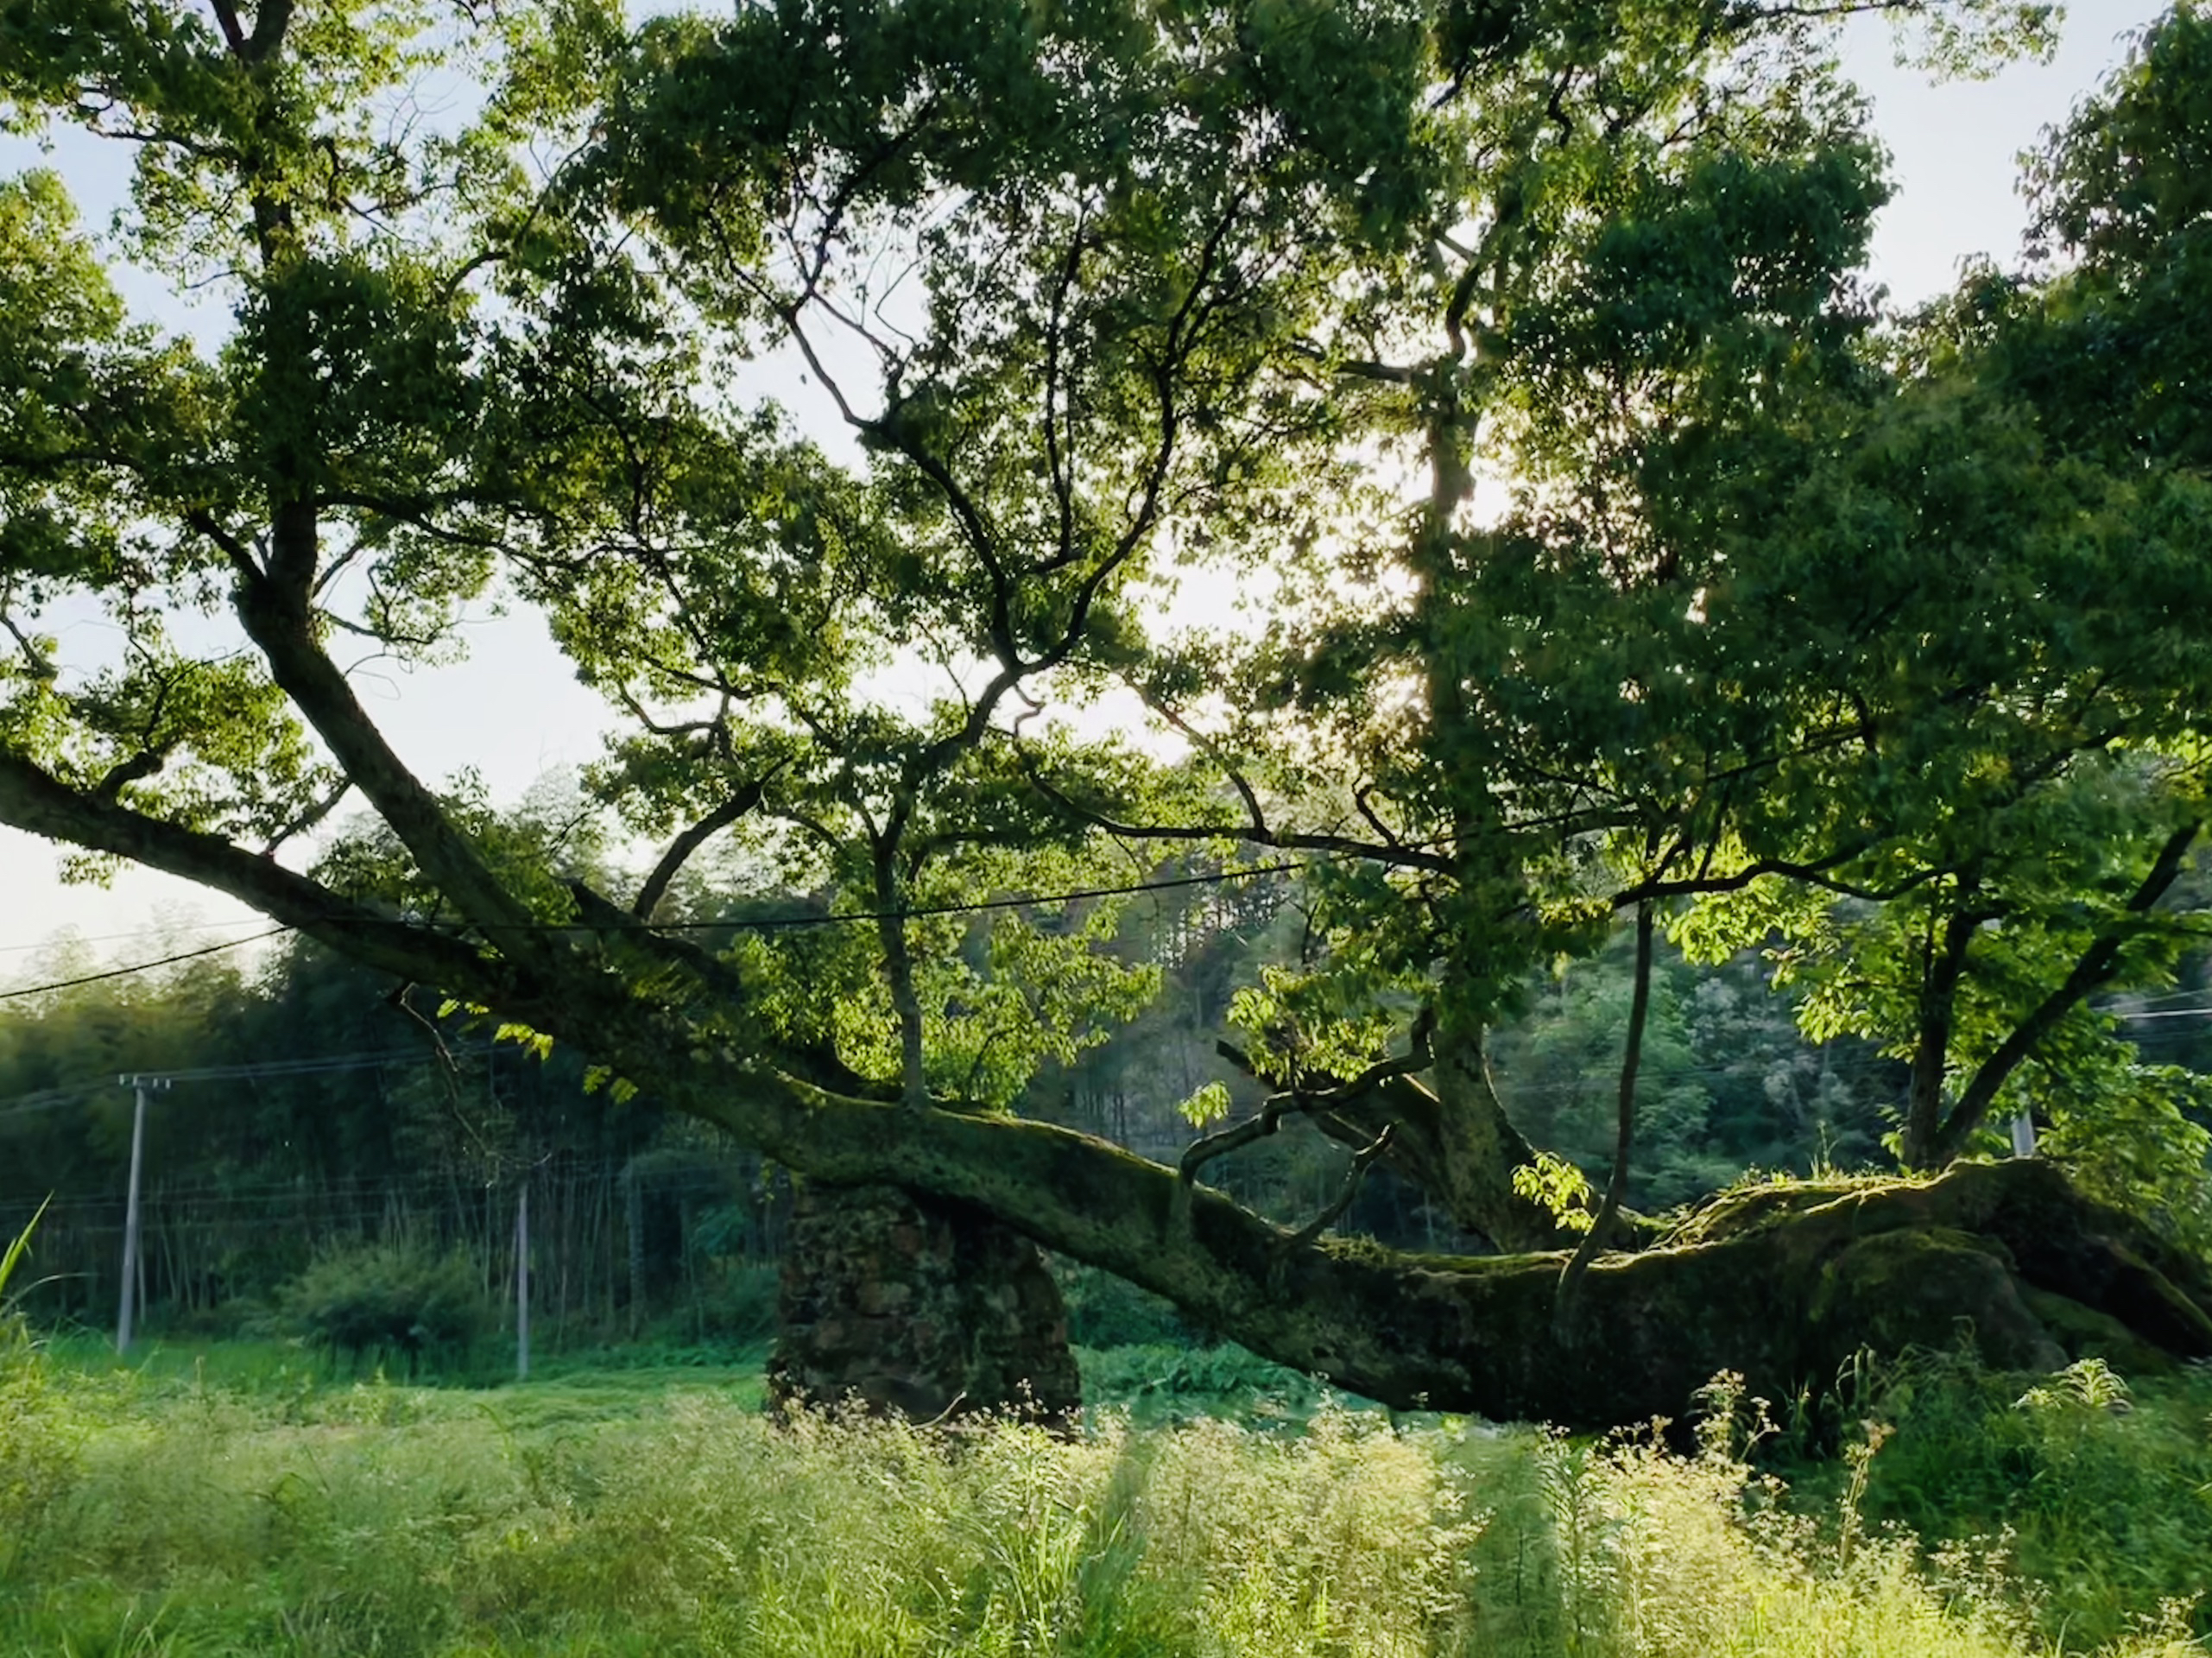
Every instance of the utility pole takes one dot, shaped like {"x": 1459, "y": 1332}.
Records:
{"x": 140, "y": 1083}
{"x": 522, "y": 1283}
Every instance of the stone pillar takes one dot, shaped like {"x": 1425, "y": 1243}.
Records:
{"x": 927, "y": 1309}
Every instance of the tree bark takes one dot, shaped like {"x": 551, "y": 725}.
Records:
{"x": 1782, "y": 1289}
{"x": 1624, "y": 1137}
{"x": 1942, "y": 969}
{"x": 1454, "y": 1141}
{"x": 1470, "y": 1149}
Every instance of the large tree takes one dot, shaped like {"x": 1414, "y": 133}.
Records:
{"x": 1098, "y": 291}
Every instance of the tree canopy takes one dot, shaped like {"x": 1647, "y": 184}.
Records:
{"x": 1874, "y": 641}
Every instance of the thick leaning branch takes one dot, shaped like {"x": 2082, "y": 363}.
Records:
{"x": 33, "y": 801}
{"x": 1462, "y": 1335}
{"x": 1470, "y": 1334}
{"x": 303, "y": 671}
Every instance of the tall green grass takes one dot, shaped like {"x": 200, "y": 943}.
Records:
{"x": 1627, "y": 1548}
{"x": 38, "y": 1435}
{"x": 634, "y": 1515}
{"x": 2101, "y": 1493}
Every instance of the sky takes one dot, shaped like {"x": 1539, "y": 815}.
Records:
{"x": 514, "y": 710}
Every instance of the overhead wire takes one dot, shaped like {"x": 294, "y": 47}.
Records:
{"x": 2152, "y": 999}
{"x": 68, "y": 936}
{"x": 143, "y": 966}
{"x": 49, "y": 1099}
{"x": 739, "y": 924}
{"x": 813, "y": 919}
{"x": 57, "y": 1099}
{"x": 354, "y": 1191}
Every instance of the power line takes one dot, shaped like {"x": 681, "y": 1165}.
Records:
{"x": 739, "y": 924}
{"x": 66, "y": 937}
{"x": 315, "y": 1067}
{"x": 143, "y": 966}
{"x": 328, "y": 1064}
{"x": 969, "y": 906}
{"x": 357, "y": 1191}
{"x": 51, "y": 1100}
{"x": 2199, "y": 996}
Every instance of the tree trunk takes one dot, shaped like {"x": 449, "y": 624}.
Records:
{"x": 1783, "y": 1285}
{"x": 1941, "y": 969}
{"x": 1463, "y": 1147}
{"x": 918, "y": 1306}
{"x": 1453, "y": 1142}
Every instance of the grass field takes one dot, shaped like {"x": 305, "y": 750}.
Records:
{"x": 241, "y": 1499}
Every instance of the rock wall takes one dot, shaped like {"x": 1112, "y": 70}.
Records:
{"x": 929, "y": 1310}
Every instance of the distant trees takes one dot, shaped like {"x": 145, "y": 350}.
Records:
{"x": 329, "y": 1120}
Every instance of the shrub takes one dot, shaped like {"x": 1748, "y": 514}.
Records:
{"x": 733, "y": 1305}
{"x": 398, "y": 1300}
{"x": 1618, "y": 1548}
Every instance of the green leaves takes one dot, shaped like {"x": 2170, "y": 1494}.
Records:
{"x": 1325, "y": 1019}
{"x": 1972, "y": 40}
{"x": 1208, "y": 1105}
{"x": 18, "y": 1247}
{"x": 1560, "y": 1187}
